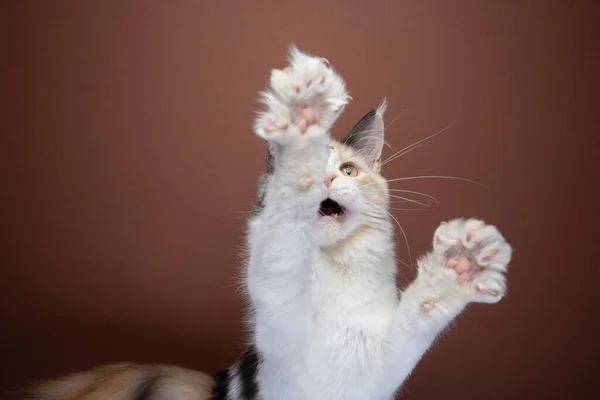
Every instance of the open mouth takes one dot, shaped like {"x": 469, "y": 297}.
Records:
{"x": 331, "y": 208}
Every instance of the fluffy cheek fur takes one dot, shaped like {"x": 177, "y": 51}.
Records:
{"x": 363, "y": 196}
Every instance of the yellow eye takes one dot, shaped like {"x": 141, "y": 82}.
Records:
{"x": 349, "y": 169}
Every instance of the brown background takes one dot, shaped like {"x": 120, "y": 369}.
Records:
{"x": 128, "y": 163}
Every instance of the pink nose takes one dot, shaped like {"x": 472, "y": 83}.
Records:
{"x": 329, "y": 180}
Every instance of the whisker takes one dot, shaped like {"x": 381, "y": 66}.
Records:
{"x": 405, "y": 198}
{"x": 413, "y": 192}
{"x": 401, "y": 152}
{"x": 405, "y": 240}
{"x": 408, "y": 209}
{"x": 394, "y": 120}
{"x": 403, "y": 263}
{"x": 458, "y": 178}
{"x": 409, "y": 148}
{"x": 426, "y": 203}
{"x": 404, "y": 201}
{"x": 403, "y": 234}
{"x": 409, "y": 200}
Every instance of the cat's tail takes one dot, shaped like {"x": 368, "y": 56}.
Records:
{"x": 125, "y": 382}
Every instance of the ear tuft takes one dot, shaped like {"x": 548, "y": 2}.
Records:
{"x": 367, "y": 136}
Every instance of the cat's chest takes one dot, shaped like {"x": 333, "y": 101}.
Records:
{"x": 351, "y": 321}
{"x": 345, "y": 300}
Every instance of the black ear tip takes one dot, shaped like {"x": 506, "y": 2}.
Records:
{"x": 351, "y": 139}
{"x": 360, "y": 126}
{"x": 368, "y": 116}
{"x": 367, "y": 136}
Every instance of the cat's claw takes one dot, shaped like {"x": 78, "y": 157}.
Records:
{"x": 478, "y": 255}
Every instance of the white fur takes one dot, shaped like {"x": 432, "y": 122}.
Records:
{"x": 326, "y": 314}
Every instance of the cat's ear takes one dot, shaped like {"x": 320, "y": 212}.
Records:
{"x": 367, "y": 136}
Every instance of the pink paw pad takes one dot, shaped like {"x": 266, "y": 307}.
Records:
{"x": 463, "y": 268}
{"x": 306, "y": 182}
{"x": 307, "y": 118}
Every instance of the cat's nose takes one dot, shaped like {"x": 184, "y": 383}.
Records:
{"x": 329, "y": 180}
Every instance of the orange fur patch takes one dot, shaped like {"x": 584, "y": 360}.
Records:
{"x": 120, "y": 382}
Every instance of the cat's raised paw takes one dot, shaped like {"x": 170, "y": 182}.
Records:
{"x": 479, "y": 256}
{"x": 307, "y": 93}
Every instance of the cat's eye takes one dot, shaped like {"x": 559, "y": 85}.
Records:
{"x": 349, "y": 169}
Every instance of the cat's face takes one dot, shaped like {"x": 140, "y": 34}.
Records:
{"x": 357, "y": 193}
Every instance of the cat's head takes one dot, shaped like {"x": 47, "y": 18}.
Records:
{"x": 357, "y": 193}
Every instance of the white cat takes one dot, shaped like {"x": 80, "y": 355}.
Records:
{"x": 328, "y": 322}
{"x": 327, "y": 318}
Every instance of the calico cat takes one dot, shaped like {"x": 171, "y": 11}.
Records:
{"x": 328, "y": 322}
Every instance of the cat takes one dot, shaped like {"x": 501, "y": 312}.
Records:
{"x": 327, "y": 320}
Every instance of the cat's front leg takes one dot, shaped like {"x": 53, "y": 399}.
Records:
{"x": 302, "y": 103}
{"x": 468, "y": 264}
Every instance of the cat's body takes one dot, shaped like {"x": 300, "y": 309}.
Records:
{"x": 327, "y": 319}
